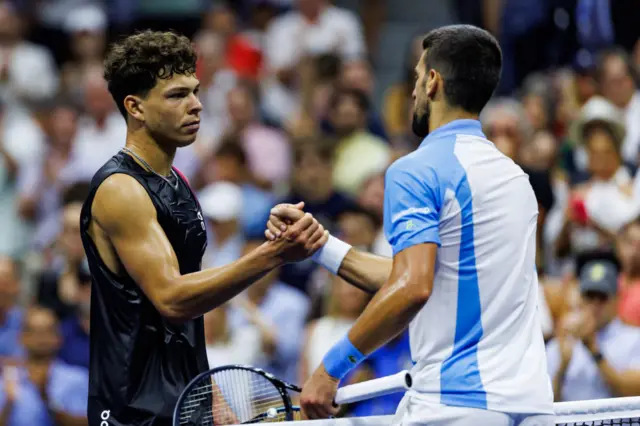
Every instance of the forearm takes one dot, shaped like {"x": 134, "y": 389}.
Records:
{"x": 621, "y": 383}
{"x": 558, "y": 381}
{"x": 197, "y": 293}
{"x": 364, "y": 270}
{"x": 386, "y": 316}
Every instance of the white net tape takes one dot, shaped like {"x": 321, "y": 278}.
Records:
{"x": 598, "y": 412}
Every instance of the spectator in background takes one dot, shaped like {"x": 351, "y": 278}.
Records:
{"x": 216, "y": 81}
{"x": 222, "y": 205}
{"x": 43, "y": 391}
{"x": 313, "y": 28}
{"x": 371, "y": 197}
{"x": 594, "y": 354}
{"x": 398, "y": 103}
{"x": 229, "y": 163}
{"x": 58, "y": 283}
{"x": 358, "y": 75}
{"x": 27, "y": 71}
{"x": 226, "y": 345}
{"x": 628, "y": 251}
{"x": 101, "y": 131}
{"x": 505, "y": 122}
{"x": 312, "y": 182}
{"x": 359, "y": 154}
{"x": 44, "y": 178}
{"x": 284, "y": 309}
{"x": 268, "y": 151}
{"x": 615, "y": 77}
{"x": 359, "y": 226}
{"x": 341, "y": 306}
{"x": 86, "y": 28}
{"x": 75, "y": 328}
{"x": 591, "y": 219}
{"x": 11, "y": 314}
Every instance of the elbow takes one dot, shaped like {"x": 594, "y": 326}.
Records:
{"x": 419, "y": 294}
{"x": 171, "y": 307}
{"x": 173, "y": 314}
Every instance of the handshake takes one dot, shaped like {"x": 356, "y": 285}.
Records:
{"x": 294, "y": 234}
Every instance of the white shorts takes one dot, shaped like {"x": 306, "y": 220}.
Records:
{"x": 414, "y": 412}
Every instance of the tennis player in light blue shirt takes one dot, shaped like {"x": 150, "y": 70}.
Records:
{"x": 461, "y": 219}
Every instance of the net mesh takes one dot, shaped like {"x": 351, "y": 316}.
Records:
{"x": 617, "y": 422}
{"x": 232, "y": 397}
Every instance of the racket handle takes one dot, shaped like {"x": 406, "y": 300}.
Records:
{"x": 398, "y": 382}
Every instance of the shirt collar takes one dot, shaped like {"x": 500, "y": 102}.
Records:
{"x": 455, "y": 127}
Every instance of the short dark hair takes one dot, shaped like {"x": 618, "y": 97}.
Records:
{"x": 231, "y": 147}
{"x": 357, "y": 209}
{"x": 613, "y": 52}
{"x": 470, "y": 62}
{"x": 323, "y": 147}
{"x": 134, "y": 64}
{"x": 360, "y": 96}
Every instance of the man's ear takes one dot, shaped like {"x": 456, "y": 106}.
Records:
{"x": 434, "y": 81}
{"x": 133, "y": 105}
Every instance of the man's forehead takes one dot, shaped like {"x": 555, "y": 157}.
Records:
{"x": 178, "y": 81}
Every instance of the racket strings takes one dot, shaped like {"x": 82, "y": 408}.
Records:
{"x": 230, "y": 397}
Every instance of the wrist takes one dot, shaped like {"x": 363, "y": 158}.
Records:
{"x": 342, "y": 358}
{"x": 269, "y": 256}
{"x": 332, "y": 254}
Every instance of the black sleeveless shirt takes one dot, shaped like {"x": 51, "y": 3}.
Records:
{"x": 139, "y": 361}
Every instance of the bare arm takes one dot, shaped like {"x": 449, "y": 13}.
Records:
{"x": 123, "y": 210}
{"x": 622, "y": 383}
{"x": 398, "y": 301}
{"x": 364, "y": 270}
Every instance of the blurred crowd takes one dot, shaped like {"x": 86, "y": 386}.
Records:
{"x": 290, "y": 115}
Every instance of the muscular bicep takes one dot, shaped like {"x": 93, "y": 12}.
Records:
{"x": 125, "y": 213}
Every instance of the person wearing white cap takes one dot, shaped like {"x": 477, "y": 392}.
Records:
{"x": 86, "y": 27}
{"x": 221, "y": 204}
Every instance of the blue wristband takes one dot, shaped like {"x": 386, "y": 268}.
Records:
{"x": 342, "y": 358}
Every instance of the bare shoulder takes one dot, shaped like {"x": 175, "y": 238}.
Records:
{"x": 121, "y": 201}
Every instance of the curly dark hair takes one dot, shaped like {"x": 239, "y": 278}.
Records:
{"x": 134, "y": 65}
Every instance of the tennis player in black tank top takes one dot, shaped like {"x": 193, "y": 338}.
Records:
{"x": 144, "y": 237}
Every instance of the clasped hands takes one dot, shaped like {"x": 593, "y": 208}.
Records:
{"x": 298, "y": 235}
{"x": 289, "y": 222}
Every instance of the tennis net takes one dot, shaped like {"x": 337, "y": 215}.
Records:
{"x": 599, "y": 412}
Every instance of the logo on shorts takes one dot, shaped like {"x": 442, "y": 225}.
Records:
{"x": 352, "y": 359}
{"x": 105, "y": 416}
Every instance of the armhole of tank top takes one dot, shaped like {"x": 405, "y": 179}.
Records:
{"x": 91, "y": 242}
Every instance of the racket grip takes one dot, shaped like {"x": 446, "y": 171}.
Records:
{"x": 398, "y": 382}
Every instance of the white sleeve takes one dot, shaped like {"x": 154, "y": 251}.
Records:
{"x": 352, "y": 44}
{"x": 280, "y": 44}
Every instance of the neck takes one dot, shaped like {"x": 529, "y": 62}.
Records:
{"x": 443, "y": 115}
{"x": 159, "y": 158}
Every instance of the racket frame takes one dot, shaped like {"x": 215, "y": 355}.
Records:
{"x": 280, "y": 385}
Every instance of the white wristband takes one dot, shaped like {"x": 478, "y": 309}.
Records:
{"x": 331, "y": 254}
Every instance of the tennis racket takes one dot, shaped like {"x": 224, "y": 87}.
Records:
{"x": 240, "y": 394}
